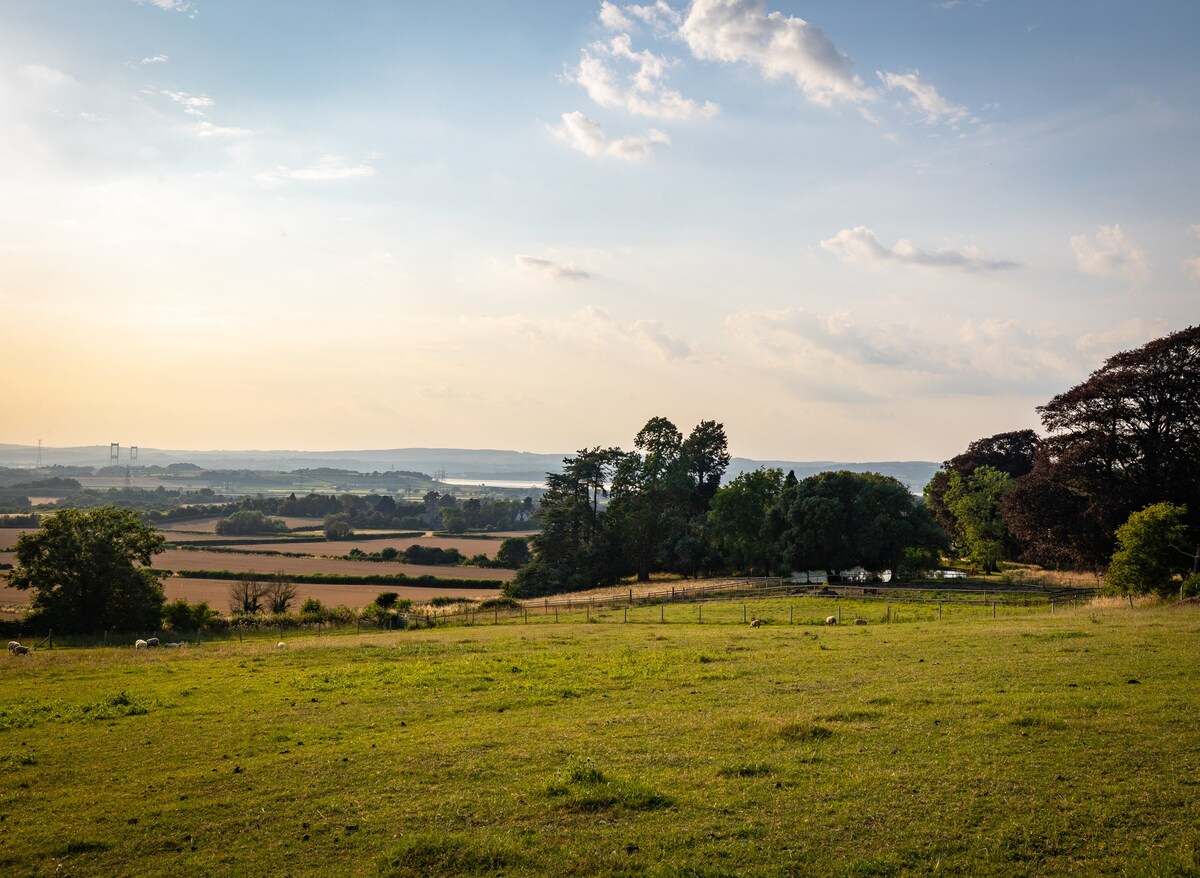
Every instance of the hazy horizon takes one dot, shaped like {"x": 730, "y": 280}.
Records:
{"x": 868, "y": 231}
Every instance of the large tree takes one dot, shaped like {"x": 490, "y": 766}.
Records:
{"x": 974, "y": 502}
{"x": 88, "y": 570}
{"x": 1012, "y": 453}
{"x": 1126, "y": 438}
{"x": 738, "y": 517}
{"x": 839, "y": 520}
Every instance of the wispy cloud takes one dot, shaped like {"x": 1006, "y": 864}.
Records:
{"x": 586, "y": 136}
{"x": 638, "y": 86}
{"x": 552, "y": 270}
{"x": 193, "y": 105}
{"x": 154, "y": 59}
{"x": 861, "y": 245}
{"x": 669, "y": 345}
{"x": 1113, "y": 255}
{"x": 328, "y": 168}
{"x": 924, "y": 97}
{"x": 41, "y": 76}
{"x": 207, "y": 129}
{"x": 777, "y": 44}
{"x": 168, "y": 5}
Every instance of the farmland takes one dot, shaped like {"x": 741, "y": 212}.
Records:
{"x": 306, "y": 556}
{"x": 1033, "y": 744}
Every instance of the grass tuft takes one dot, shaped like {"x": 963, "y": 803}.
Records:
{"x": 442, "y": 853}
{"x": 794, "y": 731}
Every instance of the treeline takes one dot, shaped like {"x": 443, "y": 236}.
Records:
{"x": 660, "y": 508}
{"x": 1120, "y": 458}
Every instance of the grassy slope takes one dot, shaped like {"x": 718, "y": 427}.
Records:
{"x": 972, "y": 747}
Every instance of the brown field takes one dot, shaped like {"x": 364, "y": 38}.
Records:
{"x": 216, "y": 592}
{"x": 209, "y": 525}
{"x": 180, "y": 559}
{"x": 342, "y": 547}
{"x": 8, "y": 538}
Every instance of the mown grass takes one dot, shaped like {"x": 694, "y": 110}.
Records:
{"x": 1032, "y": 744}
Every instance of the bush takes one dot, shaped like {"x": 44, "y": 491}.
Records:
{"x": 250, "y": 521}
{"x": 1190, "y": 587}
{"x": 501, "y": 603}
{"x": 181, "y": 616}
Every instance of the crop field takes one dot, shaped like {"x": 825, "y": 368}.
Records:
{"x": 1030, "y": 744}
{"x": 467, "y": 546}
{"x": 182, "y": 559}
{"x": 216, "y": 592}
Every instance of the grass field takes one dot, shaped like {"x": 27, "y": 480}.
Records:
{"x": 1031, "y": 744}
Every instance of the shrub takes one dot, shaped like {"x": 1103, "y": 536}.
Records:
{"x": 501, "y": 603}
{"x": 1190, "y": 587}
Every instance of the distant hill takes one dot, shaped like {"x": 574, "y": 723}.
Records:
{"x": 457, "y": 463}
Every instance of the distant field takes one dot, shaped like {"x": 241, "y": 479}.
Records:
{"x": 180, "y": 559}
{"x": 216, "y": 592}
{"x": 468, "y": 547}
{"x": 1039, "y": 745}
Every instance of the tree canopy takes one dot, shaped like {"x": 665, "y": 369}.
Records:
{"x": 1149, "y": 551}
{"x": 88, "y": 570}
{"x": 1126, "y": 438}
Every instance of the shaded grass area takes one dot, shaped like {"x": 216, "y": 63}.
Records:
{"x": 1030, "y": 745}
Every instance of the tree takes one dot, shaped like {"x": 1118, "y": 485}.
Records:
{"x": 1012, "y": 453}
{"x": 337, "y": 527}
{"x": 250, "y": 521}
{"x": 246, "y": 596}
{"x": 737, "y": 518}
{"x": 513, "y": 552}
{"x": 1148, "y": 552}
{"x": 974, "y": 502}
{"x": 279, "y": 593}
{"x": 838, "y": 520}
{"x": 88, "y": 570}
{"x": 1126, "y": 438}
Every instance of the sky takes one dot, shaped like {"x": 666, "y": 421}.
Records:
{"x": 846, "y": 229}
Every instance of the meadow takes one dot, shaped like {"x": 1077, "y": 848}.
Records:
{"x": 1028, "y": 744}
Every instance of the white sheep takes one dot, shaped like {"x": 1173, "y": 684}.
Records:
{"x": 831, "y": 620}
{"x": 281, "y": 645}
{"x": 152, "y": 642}
{"x": 13, "y": 644}
{"x": 140, "y": 644}
{"x": 172, "y": 645}
{"x": 860, "y": 621}
{"x": 20, "y": 650}
{"x": 756, "y": 623}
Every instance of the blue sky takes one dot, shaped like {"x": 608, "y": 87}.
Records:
{"x": 847, "y": 230}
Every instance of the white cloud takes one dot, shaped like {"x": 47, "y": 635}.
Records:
{"x": 861, "y": 245}
{"x": 42, "y": 77}
{"x": 328, "y": 168}
{"x": 658, "y": 338}
{"x": 154, "y": 59}
{"x": 1113, "y": 255}
{"x": 207, "y": 129}
{"x": 779, "y": 45}
{"x": 552, "y": 270}
{"x": 588, "y": 137}
{"x": 846, "y": 357}
{"x": 924, "y": 97}
{"x": 1191, "y": 268}
{"x": 641, "y": 90}
{"x": 1131, "y": 334}
{"x": 167, "y": 5}
{"x": 193, "y": 105}
{"x": 613, "y": 18}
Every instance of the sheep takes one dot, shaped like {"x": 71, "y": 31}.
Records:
{"x": 831, "y": 620}
{"x": 20, "y": 650}
{"x": 152, "y": 642}
{"x": 172, "y": 645}
{"x": 860, "y": 621}
{"x": 756, "y": 623}
{"x": 140, "y": 644}
{"x": 281, "y": 645}
{"x": 12, "y": 646}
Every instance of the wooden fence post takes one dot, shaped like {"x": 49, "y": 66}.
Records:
{"x": 791, "y": 613}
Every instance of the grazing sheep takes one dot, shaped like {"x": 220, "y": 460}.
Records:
{"x": 152, "y": 642}
{"x": 20, "y": 650}
{"x": 13, "y": 644}
{"x": 172, "y": 645}
{"x": 831, "y": 620}
{"x": 281, "y": 645}
{"x": 756, "y": 623}
{"x": 140, "y": 644}
{"x": 860, "y": 621}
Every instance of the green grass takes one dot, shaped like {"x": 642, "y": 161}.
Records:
{"x": 1032, "y": 744}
